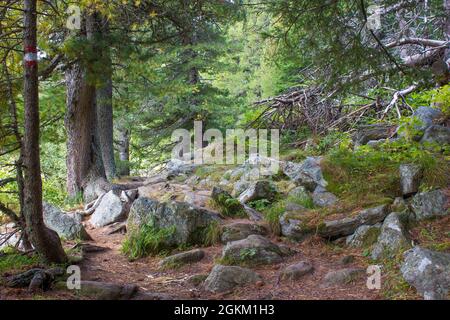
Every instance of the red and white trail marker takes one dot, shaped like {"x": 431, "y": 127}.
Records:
{"x": 31, "y": 56}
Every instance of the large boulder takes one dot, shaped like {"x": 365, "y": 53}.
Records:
{"x": 364, "y": 236}
{"x": 254, "y": 250}
{"x": 307, "y": 173}
{"x": 240, "y": 230}
{"x": 436, "y": 134}
{"x": 226, "y": 278}
{"x": 431, "y": 204}
{"x": 410, "y": 176}
{"x": 427, "y": 117}
{"x": 428, "y": 271}
{"x": 180, "y": 259}
{"x": 113, "y": 207}
{"x": 393, "y": 237}
{"x": 189, "y": 222}
{"x": 372, "y": 132}
{"x": 258, "y": 190}
{"x": 346, "y": 226}
{"x": 67, "y": 225}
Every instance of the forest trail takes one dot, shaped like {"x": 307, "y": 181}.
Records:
{"x": 111, "y": 265}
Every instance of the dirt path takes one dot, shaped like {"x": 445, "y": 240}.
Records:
{"x": 112, "y": 266}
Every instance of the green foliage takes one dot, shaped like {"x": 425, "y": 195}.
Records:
{"x": 213, "y": 232}
{"x": 148, "y": 241}
{"x": 228, "y": 206}
{"x": 272, "y": 215}
{"x": 259, "y": 205}
{"x": 12, "y": 260}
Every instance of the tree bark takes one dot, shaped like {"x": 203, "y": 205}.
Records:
{"x": 46, "y": 241}
{"x": 124, "y": 150}
{"x": 105, "y": 108}
{"x": 85, "y": 170}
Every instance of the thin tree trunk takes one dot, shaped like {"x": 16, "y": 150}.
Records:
{"x": 46, "y": 241}
{"x": 85, "y": 170}
{"x": 105, "y": 108}
{"x": 124, "y": 150}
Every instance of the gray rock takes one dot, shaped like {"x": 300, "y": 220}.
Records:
{"x": 253, "y": 214}
{"x": 293, "y": 227}
{"x": 428, "y": 271}
{"x": 323, "y": 198}
{"x": 239, "y": 187}
{"x": 258, "y": 190}
{"x": 410, "y": 176}
{"x": 343, "y": 276}
{"x": 294, "y": 207}
{"x": 426, "y": 205}
{"x": 254, "y": 250}
{"x": 436, "y": 134}
{"x": 299, "y": 193}
{"x": 366, "y": 133}
{"x": 114, "y": 207}
{"x": 107, "y": 291}
{"x": 393, "y": 237}
{"x": 347, "y": 226}
{"x": 176, "y": 167}
{"x": 296, "y": 271}
{"x": 67, "y": 225}
{"x": 182, "y": 258}
{"x": 241, "y": 230}
{"x": 427, "y": 116}
{"x": 226, "y": 278}
{"x": 364, "y": 236}
{"x": 399, "y": 205}
{"x": 189, "y": 222}
{"x": 307, "y": 173}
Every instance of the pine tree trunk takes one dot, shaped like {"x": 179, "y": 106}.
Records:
{"x": 46, "y": 241}
{"x": 85, "y": 170}
{"x": 105, "y": 108}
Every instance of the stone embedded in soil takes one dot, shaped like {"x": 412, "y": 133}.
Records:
{"x": 240, "y": 230}
{"x": 254, "y": 250}
{"x": 431, "y": 204}
{"x": 182, "y": 258}
{"x": 346, "y": 226}
{"x": 225, "y": 278}
{"x": 393, "y": 237}
{"x": 342, "y": 277}
{"x": 428, "y": 271}
{"x": 258, "y": 190}
{"x": 307, "y": 173}
{"x": 67, "y": 225}
{"x": 188, "y": 222}
{"x": 107, "y": 291}
{"x": 296, "y": 271}
{"x": 293, "y": 227}
{"x": 323, "y": 198}
{"x": 364, "y": 236}
{"x": 436, "y": 134}
{"x": 113, "y": 208}
{"x": 410, "y": 176}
